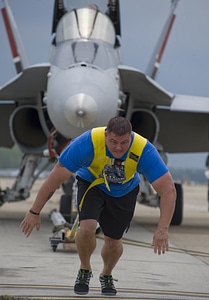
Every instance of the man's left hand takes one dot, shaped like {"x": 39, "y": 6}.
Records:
{"x": 160, "y": 241}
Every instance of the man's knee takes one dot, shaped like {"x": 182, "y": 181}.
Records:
{"x": 112, "y": 242}
{"x": 88, "y": 227}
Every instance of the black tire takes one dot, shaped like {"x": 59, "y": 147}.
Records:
{"x": 67, "y": 186}
{"x": 54, "y": 248}
{"x": 178, "y": 212}
{"x": 66, "y": 207}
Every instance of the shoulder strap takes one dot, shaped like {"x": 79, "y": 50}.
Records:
{"x": 100, "y": 159}
{"x": 134, "y": 154}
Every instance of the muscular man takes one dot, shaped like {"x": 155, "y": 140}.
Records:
{"x": 107, "y": 162}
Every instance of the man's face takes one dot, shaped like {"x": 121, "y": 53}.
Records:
{"x": 117, "y": 145}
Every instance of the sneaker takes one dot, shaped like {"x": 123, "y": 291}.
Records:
{"x": 107, "y": 285}
{"x": 81, "y": 286}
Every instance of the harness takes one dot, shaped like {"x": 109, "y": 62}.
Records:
{"x": 100, "y": 163}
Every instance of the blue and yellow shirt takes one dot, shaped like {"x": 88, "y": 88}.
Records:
{"x": 83, "y": 157}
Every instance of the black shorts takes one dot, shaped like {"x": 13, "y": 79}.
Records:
{"x": 114, "y": 214}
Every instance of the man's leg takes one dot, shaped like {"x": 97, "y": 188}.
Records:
{"x": 86, "y": 243}
{"x": 111, "y": 253}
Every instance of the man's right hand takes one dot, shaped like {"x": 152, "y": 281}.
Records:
{"x": 29, "y": 222}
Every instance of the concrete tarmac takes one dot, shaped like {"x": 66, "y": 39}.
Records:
{"x": 30, "y": 269}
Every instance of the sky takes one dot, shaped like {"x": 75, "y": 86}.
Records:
{"x": 185, "y": 64}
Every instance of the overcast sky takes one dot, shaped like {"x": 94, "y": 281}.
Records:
{"x": 185, "y": 64}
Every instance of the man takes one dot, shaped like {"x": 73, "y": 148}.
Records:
{"x": 107, "y": 162}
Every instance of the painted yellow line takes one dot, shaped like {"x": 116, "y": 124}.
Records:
{"x": 171, "y": 249}
{"x": 133, "y": 293}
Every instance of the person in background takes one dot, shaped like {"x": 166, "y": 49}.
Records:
{"x": 107, "y": 162}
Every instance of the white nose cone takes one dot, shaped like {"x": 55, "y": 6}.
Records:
{"x": 81, "y": 110}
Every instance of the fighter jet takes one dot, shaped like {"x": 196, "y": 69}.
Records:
{"x": 84, "y": 84}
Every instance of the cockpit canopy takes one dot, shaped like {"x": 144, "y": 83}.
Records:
{"x": 86, "y": 36}
{"x": 85, "y": 23}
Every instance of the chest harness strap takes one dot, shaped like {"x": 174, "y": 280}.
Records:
{"x": 101, "y": 159}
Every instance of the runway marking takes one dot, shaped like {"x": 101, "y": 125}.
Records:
{"x": 133, "y": 293}
{"x": 171, "y": 249}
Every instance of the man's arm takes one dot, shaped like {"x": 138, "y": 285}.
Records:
{"x": 165, "y": 188}
{"x": 58, "y": 175}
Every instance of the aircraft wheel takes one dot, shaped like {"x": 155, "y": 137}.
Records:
{"x": 67, "y": 186}
{"x": 178, "y": 212}
{"x": 66, "y": 207}
{"x": 54, "y": 248}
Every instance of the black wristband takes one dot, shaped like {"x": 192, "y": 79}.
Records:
{"x": 33, "y": 212}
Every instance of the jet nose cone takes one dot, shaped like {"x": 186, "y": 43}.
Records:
{"x": 81, "y": 110}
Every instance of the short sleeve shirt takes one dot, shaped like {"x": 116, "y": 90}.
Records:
{"x": 79, "y": 154}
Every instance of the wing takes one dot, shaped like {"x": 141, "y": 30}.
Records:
{"x": 184, "y": 127}
{"x": 23, "y": 90}
{"x": 27, "y": 84}
{"x": 144, "y": 91}
{"x": 183, "y": 120}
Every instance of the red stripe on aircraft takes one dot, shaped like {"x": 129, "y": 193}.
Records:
{"x": 166, "y": 39}
{"x": 9, "y": 33}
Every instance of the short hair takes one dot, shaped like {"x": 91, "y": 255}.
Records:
{"x": 119, "y": 126}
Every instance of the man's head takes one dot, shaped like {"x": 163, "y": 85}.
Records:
{"x": 118, "y": 136}
{"x": 119, "y": 126}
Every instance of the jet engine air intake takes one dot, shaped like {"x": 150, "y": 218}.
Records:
{"x": 145, "y": 123}
{"x": 27, "y": 131}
